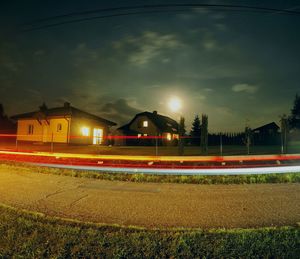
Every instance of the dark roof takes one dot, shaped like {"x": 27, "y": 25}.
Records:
{"x": 268, "y": 126}
{"x": 66, "y": 110}
{"x": 127, "y": 131}
{"x": 163, "y": 123}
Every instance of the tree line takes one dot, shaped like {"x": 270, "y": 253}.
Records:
{"x": 290, "y": 126}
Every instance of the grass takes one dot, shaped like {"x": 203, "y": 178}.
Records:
{"x": 183, "y": 179}
{"x": 34, "y": 235}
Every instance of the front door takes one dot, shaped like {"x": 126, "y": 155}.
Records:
{"x": 98, "y": 136}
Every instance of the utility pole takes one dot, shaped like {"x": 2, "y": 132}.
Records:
{"x": 181, "y": 131}
{"x": 284, "y": 129}
{"x": 156, "y": 144}
{"x": 52, "y": 143}
{"x": 221, "y": 145}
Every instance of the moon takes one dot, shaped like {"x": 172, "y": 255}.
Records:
{"x": 175, "y": 104}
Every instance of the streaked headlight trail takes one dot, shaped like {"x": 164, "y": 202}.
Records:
{"x": 172, "y": 165}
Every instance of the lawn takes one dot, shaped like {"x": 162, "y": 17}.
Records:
{"x": 32, "y": 235}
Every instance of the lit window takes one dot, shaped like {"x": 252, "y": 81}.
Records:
{"x": 85, "y": 131}
{"x": 30, "y": 129}
{"x": 145, "y": 135}
{"x": 59, "y": 127}
{"x": 139, "y": 135}
{"x": 145, "y": 124}
{"x": 175, "y": 136}
{"x": 169, "y": 137}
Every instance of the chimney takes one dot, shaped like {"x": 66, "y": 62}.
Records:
{"x": 67, "y": 105}
{"x": 43, "y": 107}
{"x": 155, "y": 112}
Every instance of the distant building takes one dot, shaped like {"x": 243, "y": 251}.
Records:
{"x": 266, "y": 134}
{"x": 147, "y": 124}
{"x": 270, "y": 128}
{"x": 64, "y": 124}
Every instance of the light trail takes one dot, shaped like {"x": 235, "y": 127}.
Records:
{"x": 167, "y": 171}
{"x": 238, "y": 158}
{"x": 171, "y": 165}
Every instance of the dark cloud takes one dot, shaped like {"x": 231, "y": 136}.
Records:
{"x": 120, "y": 111}
{"x": 233, "y": 66}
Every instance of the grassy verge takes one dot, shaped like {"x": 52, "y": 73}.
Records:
{"x": 25, "y": 234}
{"x": 189, "y": 179}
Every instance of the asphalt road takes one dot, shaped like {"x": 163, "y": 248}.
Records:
{"x": 151, "y": 204}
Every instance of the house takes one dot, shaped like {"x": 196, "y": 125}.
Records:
{"x": 266, "y": 134}
{"x": 65, "y": 124}
{"x": 267, "y": 129}
{"x": 148, "y": 124}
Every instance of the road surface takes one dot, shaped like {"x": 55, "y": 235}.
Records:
{"x": 151, "y": 204}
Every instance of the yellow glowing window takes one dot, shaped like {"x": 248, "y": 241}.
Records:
{"x": 139, "y": 135}
{"x": 145, "y": 124}
{"x": 169, "y": 137}
{"x": 85, "y": 131}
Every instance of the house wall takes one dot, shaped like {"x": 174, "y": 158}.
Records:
{"x": 137, "y": 125}
{"x": 151, "y": 130}
{"x": 22, "y": 130}
{"x": 76, "y": 131}
{"x": 44, "y": 132}
{"x": 51, "y": 131}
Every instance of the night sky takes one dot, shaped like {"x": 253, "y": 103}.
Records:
{"x": 237, "y": 67}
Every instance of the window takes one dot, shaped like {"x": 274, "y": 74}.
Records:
{"x": 59, "y": 127}
{"x": 98, "y": 136}
{"x": 30, "y": 129}
{"x": 85, "y": 131}
{"x": 139, "y": 135}
{"x": 145, "y": 124}
{"x": 169, "y": 137}
{"x": 145, "y": 135}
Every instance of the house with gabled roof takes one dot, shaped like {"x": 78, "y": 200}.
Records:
{"x": 270, "y": 128}
{"x": 266, "y": 134}
{"x": 65, "y": 124}
{"x": 148, "y": 124}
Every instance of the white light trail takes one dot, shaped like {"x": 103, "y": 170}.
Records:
{"x": 165, "y": 171}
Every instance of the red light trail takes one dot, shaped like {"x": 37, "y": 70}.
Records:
{"x": 160, "y": 164}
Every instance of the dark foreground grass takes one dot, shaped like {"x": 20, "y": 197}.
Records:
{"x": 187, "y": 179}
{"x": 29, "y": 235}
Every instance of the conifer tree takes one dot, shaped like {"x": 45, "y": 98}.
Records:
{"x": 196, "y": 131}
{"x": 204, "y": 133}
{"x": 294, "y": 118}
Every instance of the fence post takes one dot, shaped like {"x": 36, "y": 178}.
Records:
{"x": 156, "y": 144}
{"x": 221, "y": 145}
{"x": 52, "y": 143}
